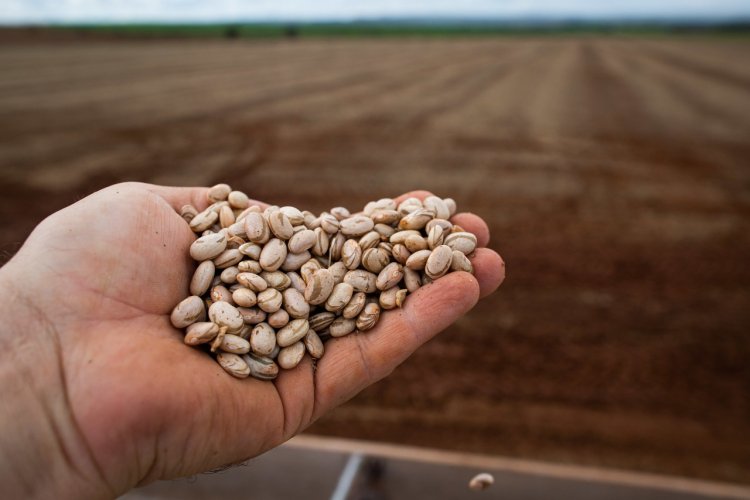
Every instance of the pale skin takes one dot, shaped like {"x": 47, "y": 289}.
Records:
{"x": 101, "y": 395}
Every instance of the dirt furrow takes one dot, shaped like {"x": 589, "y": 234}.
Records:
{"x": 393, "y": 90}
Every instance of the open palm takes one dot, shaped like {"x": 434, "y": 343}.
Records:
{"x": 108, "y": 271}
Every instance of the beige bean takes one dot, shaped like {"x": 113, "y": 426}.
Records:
{"x": 279, "y": 319}
{"x": 273, "y": 255}
{"x": 209, "y": 246}
{"x": 244, "y": 297}
{"x": 294, "y": 215}
{"x": 295, "y": 261}
{"x": 418, "y": 260}
{"x": 269, "y": 210}
{"x": 249, "y": 266}
{"x": 481, "y": 481}
{"x": 280, "y": 226}
{"x": 416, "y": 219}
{"x": 269, "y": 300}
{"x": 415, "y": 243}
{"x": 261, "y": 367}
{"x": 238, "y": 200}
{"x": 226, "y": 217}
{"x": 229, "y": 275}
{"x": 400, "y": 253}
{"x": 338, "y": 271}
{"x": 384, "y": 231}
{"x": 340, "y": 213}
{"x": 295, "y": 303}
{"x": 218, "y": 192}
{"x": 369, "y": 317}
{"x": 435, "y": 237}
{"x": 356, "y": 226}
{"x": 390, "y": 276}
{"x": 233, "y": 364}
{"x": 381, "y": 204}
{"x": 252, "y": 281}
{"x": 228, "y": 258}
{"x": 443, "y": 223}
{"x": 256, "y": 228}
{"x": 335, "y": 246}
{"x": 297, "y": 282}
{"x": 252, "y": 315}
{"x": 188, "y": 311}
{"x": 409, "y": 205}
{"x": 460, "y": 262}
{"x": 237, "y": 229}
{"x": 320, "y": 246}
{"x": 388, "y": 217}
{"x": 203, "y": 221}
{"x": 340, "y": 296}
{"x": 308, "y": 269}
{"x": 291, "y": 333}
{"x": 369, "y": 240}
{"x": 351, "y": 254}
{"x": 329, "y": 223}
{"x": 355, "y": 305}
{"x": 219, "y": 293}
{"x": 263, "y": 339}
{"x": 462, "y": 241}
{"x": 319, "y": 287}
{"x": 388, "y": 298}
{"x": 187, "y": 212}
{"x": 217, "y": 206}
{"x": 276, "y": 279}
{"x": 401, "y": 297}
{"x": 234, "y": 242}
{"x": 412, "y": 280}
{"x": 361, "y": 280}
{"x": 289, "y": 357}
{"x": 438, "y": 206}
{"x": 313, "y": 344}
{"x": 234, "y": 344}
{"x": 310, "y": 220}
{"x": 375, "y": 259}
{"x": 251, "y": 250}
{"x": 451, "y": 204}
{"x": 341, "y": 327}
{"x": 400, "y": 236}
{"x": 202, "y": 277}
{"x": 439, "y": 262}
{"x": 200, "y": 333}
{"x": 225, "y": 314}
{"x": 301, "y": 241}
{"x": 250, "y": 209}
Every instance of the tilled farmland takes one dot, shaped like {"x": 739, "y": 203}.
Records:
{"x": 613, "y": 173}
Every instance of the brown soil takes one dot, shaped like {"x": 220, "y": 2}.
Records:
{"x": 613, "y": 174}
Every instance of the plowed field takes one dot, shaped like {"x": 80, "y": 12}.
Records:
{"x": 614, "y": 174}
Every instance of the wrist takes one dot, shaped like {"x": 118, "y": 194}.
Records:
{"x": 42, "y": 453}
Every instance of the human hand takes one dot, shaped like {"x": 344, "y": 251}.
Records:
{"x": 101, "y": 393}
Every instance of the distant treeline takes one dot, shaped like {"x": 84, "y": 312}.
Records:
{"x": 388, "y": 29}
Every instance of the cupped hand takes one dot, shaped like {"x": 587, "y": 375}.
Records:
{"x": 128, "y": 402}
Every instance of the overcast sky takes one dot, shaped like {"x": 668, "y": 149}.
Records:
{"x": 41, "y": 11}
